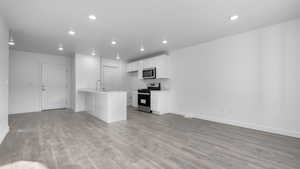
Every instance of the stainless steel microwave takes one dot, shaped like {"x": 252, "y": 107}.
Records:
{"x": 149, "y": 73}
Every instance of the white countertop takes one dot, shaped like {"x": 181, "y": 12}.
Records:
{"x": 159, "y": 91}
{"x": 99, "y": 92}
{"x": 109, "y": 106}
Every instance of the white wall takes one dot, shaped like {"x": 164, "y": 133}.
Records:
{"x": 121, "y": 66}
{"x": 25, "y": 79}
{"x": 134, "y": 83}
{"x": 250, "y": 79}
{"x": 87, "y": 72}
{"x": 4, "y": 53}
{"x": 88, "y": 69}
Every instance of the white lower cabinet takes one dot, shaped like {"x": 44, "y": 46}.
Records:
{"x": 159, "y": 102}
{"x": 134, "y": 99}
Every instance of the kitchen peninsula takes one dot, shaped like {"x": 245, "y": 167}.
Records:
{"x": 102, "y": 100}
{"x": 109, "y": 106}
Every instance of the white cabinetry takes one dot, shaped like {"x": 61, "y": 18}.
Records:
{"x": 134, "y": 99}
{"x": 149, "y": 63}
{"x": 108, "y": 106}
{"x": 159, "y": 102}
{"x": 140, "y": 69}
{"x": 162, "y": 66}
{"x": 161, "y": 63}
{"x": 146, "y": 64}
{"x": 133, "y": 66}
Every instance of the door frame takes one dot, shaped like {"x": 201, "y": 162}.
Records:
{"x": 102, "y": 71}
{"x": 68, "y": 86}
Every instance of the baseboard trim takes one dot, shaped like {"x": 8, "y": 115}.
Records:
{"x": 247, "y": 125}
{"x": 3, "y": 133}
{"x": 14, "y": 113}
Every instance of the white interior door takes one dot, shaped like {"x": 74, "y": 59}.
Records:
{"x": 111, "y": 78}
{"x": 54, "y": 86}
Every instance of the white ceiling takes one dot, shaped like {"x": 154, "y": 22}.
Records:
{"x": 40, "y": 25}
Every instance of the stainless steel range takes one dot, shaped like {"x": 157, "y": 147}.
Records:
{"x": 144, "y": 100}
{"x": 144, "y": 97}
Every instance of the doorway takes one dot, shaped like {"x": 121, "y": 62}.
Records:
{"x": 54, "y": 86}
{"x": 111, "y": 78}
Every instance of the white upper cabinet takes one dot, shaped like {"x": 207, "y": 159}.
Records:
{"x": 161, "y": 63}
{"x": 140, "y": 69}
{"x": 148, "y": 63}
{"x": 133, "y": 66}
{"x": 162, "y": 66}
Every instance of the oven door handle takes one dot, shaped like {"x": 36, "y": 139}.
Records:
{"x": 144, "y": 93}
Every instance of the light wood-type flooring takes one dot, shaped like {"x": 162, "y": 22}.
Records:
{"x": 61, "y": 139}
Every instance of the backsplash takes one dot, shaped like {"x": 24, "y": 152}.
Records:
{"x": 134, "y": 83}
{"x": 163, "y": 82}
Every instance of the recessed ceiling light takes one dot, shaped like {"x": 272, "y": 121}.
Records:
{"x": 60, "y": 47}
{"x": 72, "y": 32}
{"x": 234, "y": 17}
{"x": 113, "y": 42}
{"x": 164, "y": 41}
{"x": 118, "y": 56}
{"x": 142, "y": 49}
{"x": 93, "y": 53}
{"x": 92, "y": 17}
{"x": 11, "y": 43}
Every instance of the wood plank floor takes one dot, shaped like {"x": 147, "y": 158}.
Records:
{"x": 67, "y": 140}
